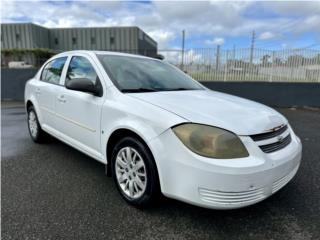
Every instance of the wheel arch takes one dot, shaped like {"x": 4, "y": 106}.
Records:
{"x": 29, "y": 103}
{"x": 32, "y": 101}
{"x": 118, "y": 134}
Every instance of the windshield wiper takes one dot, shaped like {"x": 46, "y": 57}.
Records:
{"x": 177, "y": 89}
{"x": 136, "y": 90}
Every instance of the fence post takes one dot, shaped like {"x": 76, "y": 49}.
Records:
{"x": 272, "y": 66}
{"x": 226, "y": 67}
{"x": 218, "y": 57}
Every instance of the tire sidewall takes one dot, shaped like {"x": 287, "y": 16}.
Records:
{"x": 152, "y": 187}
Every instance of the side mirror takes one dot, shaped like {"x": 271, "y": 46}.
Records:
{"x": 159, "y": 56}
{"x": 83, "y": 85}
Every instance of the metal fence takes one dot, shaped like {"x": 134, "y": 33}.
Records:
{"x": 215, "y": 64}
{"x": 292, "y": 65}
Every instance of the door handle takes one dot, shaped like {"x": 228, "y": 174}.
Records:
{"x": 62, "y": 99}
{"x": 38, "y": 91}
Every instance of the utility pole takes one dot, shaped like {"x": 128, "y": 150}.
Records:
{"x": 253, "y": 39}
{"x": 182, "y": 49}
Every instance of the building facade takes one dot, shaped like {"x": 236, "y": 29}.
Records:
{"x": 24, "y": 39}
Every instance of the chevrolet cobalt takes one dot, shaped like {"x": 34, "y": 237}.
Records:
{"x": 159, "y": 131}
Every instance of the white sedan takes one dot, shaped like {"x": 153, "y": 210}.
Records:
{"x": 159, "y": 131}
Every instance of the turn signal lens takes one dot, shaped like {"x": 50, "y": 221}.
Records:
{"x": 210, "y": 141}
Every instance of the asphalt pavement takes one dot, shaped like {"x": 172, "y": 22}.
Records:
{"x": 51, "y": 191}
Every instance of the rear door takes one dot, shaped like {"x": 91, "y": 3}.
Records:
{"x": 47, "y": 88}
{"x": 79, "y": 113}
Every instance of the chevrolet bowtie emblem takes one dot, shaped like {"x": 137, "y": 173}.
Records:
{"x": 280, "y": 138}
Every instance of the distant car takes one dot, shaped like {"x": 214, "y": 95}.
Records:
{"x": 159, "y": 131}
{"x": 20, "y": 64}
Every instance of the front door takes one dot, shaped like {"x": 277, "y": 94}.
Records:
{"x": 79, "y": 113}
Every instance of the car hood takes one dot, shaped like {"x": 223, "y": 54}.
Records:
{"x": 241, "y": 116}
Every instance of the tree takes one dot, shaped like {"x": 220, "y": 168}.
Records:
{"x": 278, "y": 62}
{"x": 265, "y": 60}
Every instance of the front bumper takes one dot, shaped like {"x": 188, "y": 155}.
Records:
{"x": 223, "y": 184}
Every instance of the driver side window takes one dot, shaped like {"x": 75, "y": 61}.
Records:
{"x": 80, "y": 68}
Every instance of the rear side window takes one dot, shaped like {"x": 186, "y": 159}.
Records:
{"x": 52, "y": 71}
{"x": 80, "y": 67}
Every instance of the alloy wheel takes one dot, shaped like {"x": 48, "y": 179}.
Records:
{"x": 33, "y": 125}
{"x": 131, "y": 172}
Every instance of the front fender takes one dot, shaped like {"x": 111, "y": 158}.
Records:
{"x": 144, "y": 119}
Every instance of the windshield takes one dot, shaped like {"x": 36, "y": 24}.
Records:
{"x": 134, "y": 74}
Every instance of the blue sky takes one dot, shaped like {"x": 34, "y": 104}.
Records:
{"x": 278, "y": 25}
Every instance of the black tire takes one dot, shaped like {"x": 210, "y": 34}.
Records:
{"x": 152, "y": 190}
{"x": 40, "y": 135}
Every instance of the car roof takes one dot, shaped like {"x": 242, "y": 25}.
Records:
{"x": 74, "y": 52}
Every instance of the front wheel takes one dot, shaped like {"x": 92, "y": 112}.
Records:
{"x": 36, "y": 133}
{"x": 134, "y": 172}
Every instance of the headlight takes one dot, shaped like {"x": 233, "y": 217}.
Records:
{"x": 210, "y": 141}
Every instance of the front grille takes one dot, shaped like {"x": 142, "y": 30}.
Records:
{"x": 274, "y": 140}
{"x": 277, "y": 145}
{"x": 267, "y": 135}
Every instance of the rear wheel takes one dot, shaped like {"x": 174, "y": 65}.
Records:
{"x": 36, "y": 133}
{"x": 134, "y": 172}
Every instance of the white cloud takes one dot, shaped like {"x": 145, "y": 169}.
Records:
{"x": 174, "y": 57}
{"x": 164, "y": 20}
{"x": 310, "y": 23}
{"x": 293, "y": 8}
{"x": 266, "y": 35}
{"x": 192, "y": 57}
{"x": 215, "y": 41}
{"x": 162, "y": 37}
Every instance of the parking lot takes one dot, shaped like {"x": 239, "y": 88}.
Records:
{"x": 51, "y": 191}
